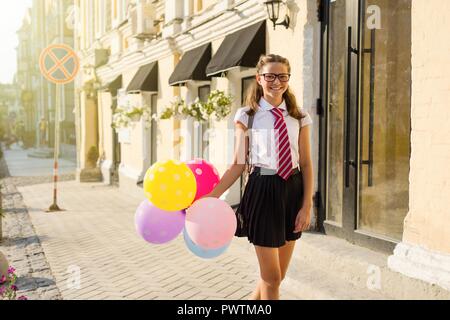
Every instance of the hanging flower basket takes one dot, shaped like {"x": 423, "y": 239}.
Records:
{"x": 123, "y": 118}
{"x": 135, "y": 114}
{"x": 218, "y": 104}
{"x": 177, "y": 110}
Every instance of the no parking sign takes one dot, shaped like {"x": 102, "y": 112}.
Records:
{"x": 59, "y": 64}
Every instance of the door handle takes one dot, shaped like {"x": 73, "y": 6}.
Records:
{"x": 369, "y": 162}
{"x": 348, "y": 162}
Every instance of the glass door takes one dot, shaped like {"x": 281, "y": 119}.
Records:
{"x": 385, "y": 106}
{"x": 341, "y": 113}
{"x": 367, "y": 99}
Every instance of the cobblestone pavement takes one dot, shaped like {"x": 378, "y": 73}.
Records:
{"x": 22, "y": 246}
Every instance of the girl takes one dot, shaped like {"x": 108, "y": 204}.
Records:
{"x": 277, "y": 200}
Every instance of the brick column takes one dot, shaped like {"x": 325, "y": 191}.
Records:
{"x": 425, "y": 250}
{"x": 87, "y": 171}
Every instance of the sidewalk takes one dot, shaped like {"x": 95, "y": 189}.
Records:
{"x": 96, "y": 235}
{"x": 95, "y": 239}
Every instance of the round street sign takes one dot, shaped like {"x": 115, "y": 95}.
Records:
{"x": 59, "y": 63}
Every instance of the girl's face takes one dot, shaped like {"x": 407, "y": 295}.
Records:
{"x": 274, "y": 79}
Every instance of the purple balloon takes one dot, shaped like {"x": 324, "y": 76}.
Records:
{"x": 158, "y": 226}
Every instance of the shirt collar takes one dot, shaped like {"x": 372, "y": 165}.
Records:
{"x": 267, "y": 106}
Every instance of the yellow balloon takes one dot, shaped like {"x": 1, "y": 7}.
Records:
{"x": 170, "y": 185}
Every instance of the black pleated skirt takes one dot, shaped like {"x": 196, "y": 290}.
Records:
{"x": 268, "y": 209}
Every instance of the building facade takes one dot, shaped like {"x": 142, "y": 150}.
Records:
{"x": 358, "y": 68}
{"x": 24, "y": 79}
{"x": 46, "y": 23}
{"x": 11, "y": 113}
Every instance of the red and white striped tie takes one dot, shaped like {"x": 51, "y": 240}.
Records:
{"x": 283, "y": 144}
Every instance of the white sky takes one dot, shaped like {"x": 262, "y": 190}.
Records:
{"x": 11, "y": 16}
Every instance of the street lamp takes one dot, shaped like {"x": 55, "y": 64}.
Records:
{"x": 273, "y": 10}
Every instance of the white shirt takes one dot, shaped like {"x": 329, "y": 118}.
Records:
{"x": 263, "y": 147}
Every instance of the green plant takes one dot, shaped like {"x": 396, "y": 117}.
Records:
{"x": 134, "y": 111}
{"x": 127, "y": 111}
{"x": 92, "y": 156}
{"x": 29, "y": 139}
{"x": 218, "y": 103}
{"x": 167, "y": 114}
{"x": 148, "y": 117}
{"x": 196, "y": 110}
{"x": 8, "y": 288}
{"x": 2, "y": 215}
{"x": 120, "y": 119}
{"x": 123, "y": 116}
{"x": 177, "y": 109}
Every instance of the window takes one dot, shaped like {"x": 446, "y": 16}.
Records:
{"x": 198, "y": 6}
{"x": 246, "y": 84}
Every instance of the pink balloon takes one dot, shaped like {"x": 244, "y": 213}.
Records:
{"x": 206, "y": 175}
{"x": 210, "y": 223}
{"x": 158, "y": 226}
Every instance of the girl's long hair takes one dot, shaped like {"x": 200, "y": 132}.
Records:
{"x": 255, "y": 92}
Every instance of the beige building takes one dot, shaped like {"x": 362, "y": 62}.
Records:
{"x": 363, "y": 69}
{"x": 45, "y": 24}
{"x": 24, "y": 79}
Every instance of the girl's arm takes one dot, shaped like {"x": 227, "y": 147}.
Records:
{"x": 306, "y": 166}
{"x": 237, "y": 167}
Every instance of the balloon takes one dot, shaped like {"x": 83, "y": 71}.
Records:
{"x": 206, "y": 175}
{"x": 210, "y": 223}
{"x": 158, "y": 226}
{"x": 170, "y": 185}
{"x": 202, "y": 252}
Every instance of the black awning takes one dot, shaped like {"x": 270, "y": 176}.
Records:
{"x": 240, "y": 49}
{"x": 192, "y": 66}
{"x": 114, "y": 85}
{"x": 146, "y": 79}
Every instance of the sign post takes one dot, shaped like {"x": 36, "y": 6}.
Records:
{"x": 59, "y": 64}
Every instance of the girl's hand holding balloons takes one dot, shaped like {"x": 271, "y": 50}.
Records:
{"x": 206, "y": 176}
{"x": 180, "y": 196}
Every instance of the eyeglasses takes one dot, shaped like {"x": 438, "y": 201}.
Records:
{"x": 270, "y": 77}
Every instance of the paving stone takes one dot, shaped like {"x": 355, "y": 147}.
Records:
{"x": 22, "y": 246}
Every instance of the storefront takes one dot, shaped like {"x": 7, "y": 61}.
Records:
{"x": 371, "y": 73}
{"x": 364, "y": 156}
